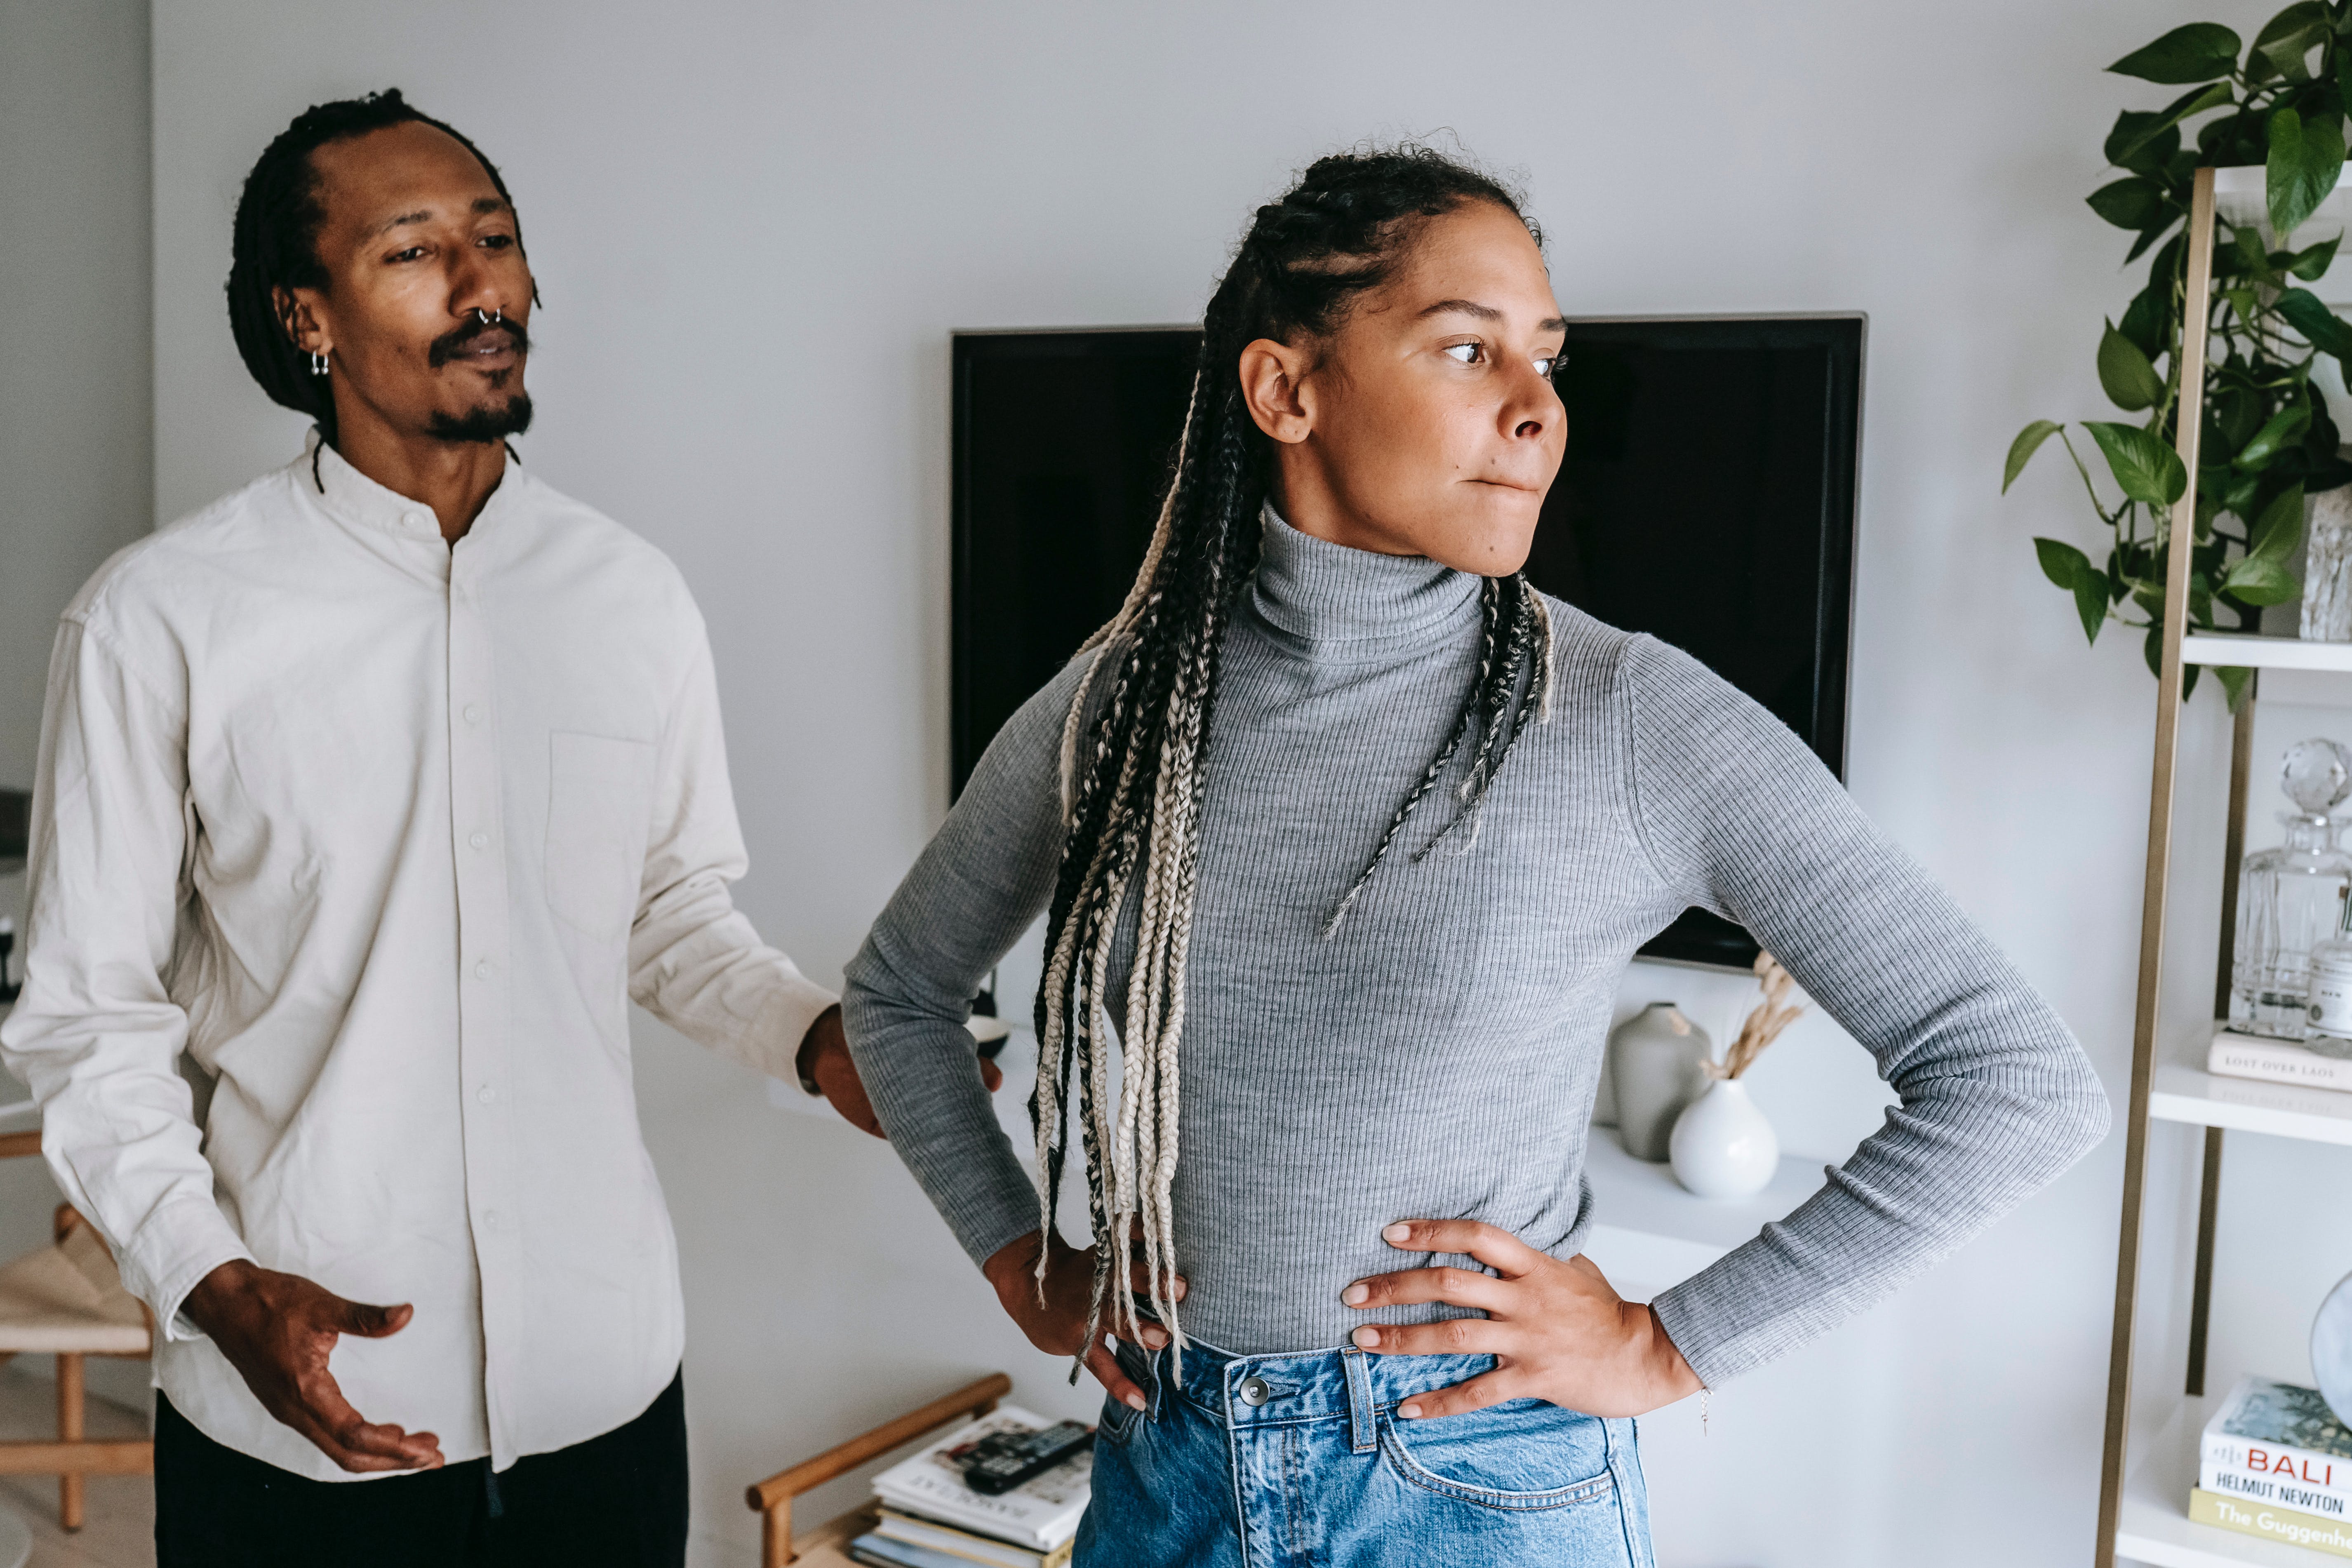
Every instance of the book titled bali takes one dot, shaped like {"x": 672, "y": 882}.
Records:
{"x": 2278, "y": 1443}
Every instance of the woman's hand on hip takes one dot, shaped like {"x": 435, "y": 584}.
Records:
{"x": 1557, "y": 1330}
{"x": 1054, "y": 1318}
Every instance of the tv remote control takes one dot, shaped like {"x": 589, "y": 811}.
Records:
{"x": 1003, "y": 1461}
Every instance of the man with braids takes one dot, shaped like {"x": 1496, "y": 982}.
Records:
{"x": 1345, "y": 837}
{"x": 368, "y": 798}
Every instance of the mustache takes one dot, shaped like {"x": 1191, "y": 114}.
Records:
{"x": 449, "y": 345}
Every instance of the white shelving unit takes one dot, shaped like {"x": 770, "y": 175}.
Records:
{"x": 2155, "y": 1527}
{"x": 1649, "y": 1234}
{"x": 2244, "y": 651}
{"x": 2150, "y": 1458}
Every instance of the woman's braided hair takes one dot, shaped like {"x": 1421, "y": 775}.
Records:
{"x": 1131, "y": 784}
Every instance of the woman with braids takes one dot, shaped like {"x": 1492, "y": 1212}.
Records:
{"x": 1345, "y": 835}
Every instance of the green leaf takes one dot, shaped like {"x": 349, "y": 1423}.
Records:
{"x": 2142, "y": 143}
{"x": 2247, "y": 242}
{"x": 2280, "y": 528}
{"x": 2315, "y": 321}
{"x": 2071, "y": 570}
{"x": 2136, "y": 203}
{"x": 2146, "y": 143}
{"x": 2234, "y": 684}
{"x": 2130, "y": 381}
{"x": 2021, "y": 452}
{"x": 2149, "y": 471}
{"x": 2286, "y": 38}
{"x": 2148, "y": 322}
{"x": 2198, "y": 52}
{"x": 2153, "y": 648}
{"x": 2304, "y": 160}
{"x": 2150, "y": 235}
{"x": 2283, "y": 429}
{"x": 2259, "y": 580}
{"x": 2309, "y": 263}
{"x": 2064, "y": 565}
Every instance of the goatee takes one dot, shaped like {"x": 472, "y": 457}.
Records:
{"x": 487, "y": 423}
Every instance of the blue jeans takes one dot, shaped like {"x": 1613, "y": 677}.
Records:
{"x": 1299, "y": 1462}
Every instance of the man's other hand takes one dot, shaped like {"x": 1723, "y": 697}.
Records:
{"x": 824, "y": 1061}
{"x": 277, "y": 1330}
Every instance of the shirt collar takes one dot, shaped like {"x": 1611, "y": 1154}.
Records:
{"x": 351, "y": 497}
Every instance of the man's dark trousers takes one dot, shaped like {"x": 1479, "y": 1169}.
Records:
{"x": 615, "y": 1501}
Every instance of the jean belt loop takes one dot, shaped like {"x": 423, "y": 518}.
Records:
{"x": 1363, "y": 1434}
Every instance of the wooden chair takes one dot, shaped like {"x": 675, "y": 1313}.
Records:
{"x": 66, "y": 1300}
{"x": 828, "y": 1546}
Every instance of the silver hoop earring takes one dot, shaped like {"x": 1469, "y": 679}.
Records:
{"x": 318, "y": 365}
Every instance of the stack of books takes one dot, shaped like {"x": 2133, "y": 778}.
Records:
{"x": 2275, "y": 1462}
{"x": 930, "y": 1519}
{"x": 2276, "y": 1061}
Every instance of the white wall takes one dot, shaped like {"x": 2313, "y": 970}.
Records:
{"x": 755, "y": 226}
{"x": 77, "y": 455}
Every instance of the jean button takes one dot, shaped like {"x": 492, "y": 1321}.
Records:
{"x": 1254, "y": 1391}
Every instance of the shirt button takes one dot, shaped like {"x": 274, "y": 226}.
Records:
{"x": 482, "y": 970}
{"x": 1254, "y": 1391}
{"x": 489, "y": 1094}
{"x": 490, "y": 1218}
{"x": 479, "y": 841}
{"x": 418, "y": 520}
{"x": 473, "y": 713}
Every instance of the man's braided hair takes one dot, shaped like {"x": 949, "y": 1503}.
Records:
{"x": 1131, "y": 783}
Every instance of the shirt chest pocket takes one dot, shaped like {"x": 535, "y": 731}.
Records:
{"x": 599, "y": 802}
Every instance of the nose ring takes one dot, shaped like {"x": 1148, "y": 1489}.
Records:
{"x": 492, "y": 319}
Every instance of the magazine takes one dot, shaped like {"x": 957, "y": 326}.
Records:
{"x": 1040, "y": 1513}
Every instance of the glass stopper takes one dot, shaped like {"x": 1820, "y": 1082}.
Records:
{"x": 2316, "y": 774}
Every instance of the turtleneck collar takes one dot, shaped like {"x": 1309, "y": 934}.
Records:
{"x": 1355, "y": 605}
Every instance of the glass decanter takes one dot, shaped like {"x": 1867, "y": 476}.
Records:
{"x": 2292, "y": 898}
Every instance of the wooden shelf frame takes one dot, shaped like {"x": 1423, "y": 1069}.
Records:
{"x": 2143, "y": 1501}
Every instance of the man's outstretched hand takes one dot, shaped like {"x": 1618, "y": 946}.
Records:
{"x": 277, "y": 1330}
{"x": 823, "y": 1059}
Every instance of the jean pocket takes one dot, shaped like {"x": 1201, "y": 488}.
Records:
{"x": 1523, "y": 1456}
{"x": 1117, "y": 1422}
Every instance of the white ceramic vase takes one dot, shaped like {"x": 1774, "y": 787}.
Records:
{"x": 2331, "y": 1348}
{"x": 1656, "y": 1065}
{"x": 1723, "y": 1147}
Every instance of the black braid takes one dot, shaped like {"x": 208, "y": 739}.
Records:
{"x": 1343, "y": 230}
{"x": 275, "y": 242}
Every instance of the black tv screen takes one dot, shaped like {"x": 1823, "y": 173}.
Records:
{"x": 1707, "y": 498}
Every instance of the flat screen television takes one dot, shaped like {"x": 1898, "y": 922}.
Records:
{"x": 1708, "y": 497}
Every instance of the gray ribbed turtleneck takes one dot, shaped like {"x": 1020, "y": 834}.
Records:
{"x": 1438, "y": 1057}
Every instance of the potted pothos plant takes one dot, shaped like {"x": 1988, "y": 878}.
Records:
{"x": 2267, "y": 441}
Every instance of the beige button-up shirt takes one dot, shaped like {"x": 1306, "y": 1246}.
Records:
{"x": 350, "y": 850}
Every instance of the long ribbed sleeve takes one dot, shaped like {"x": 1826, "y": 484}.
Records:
{"x": 1997, "y": 1098}
{"x": 977, "y": 887}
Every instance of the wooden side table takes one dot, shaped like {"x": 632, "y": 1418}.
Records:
{"x": 828, "y": 1545}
